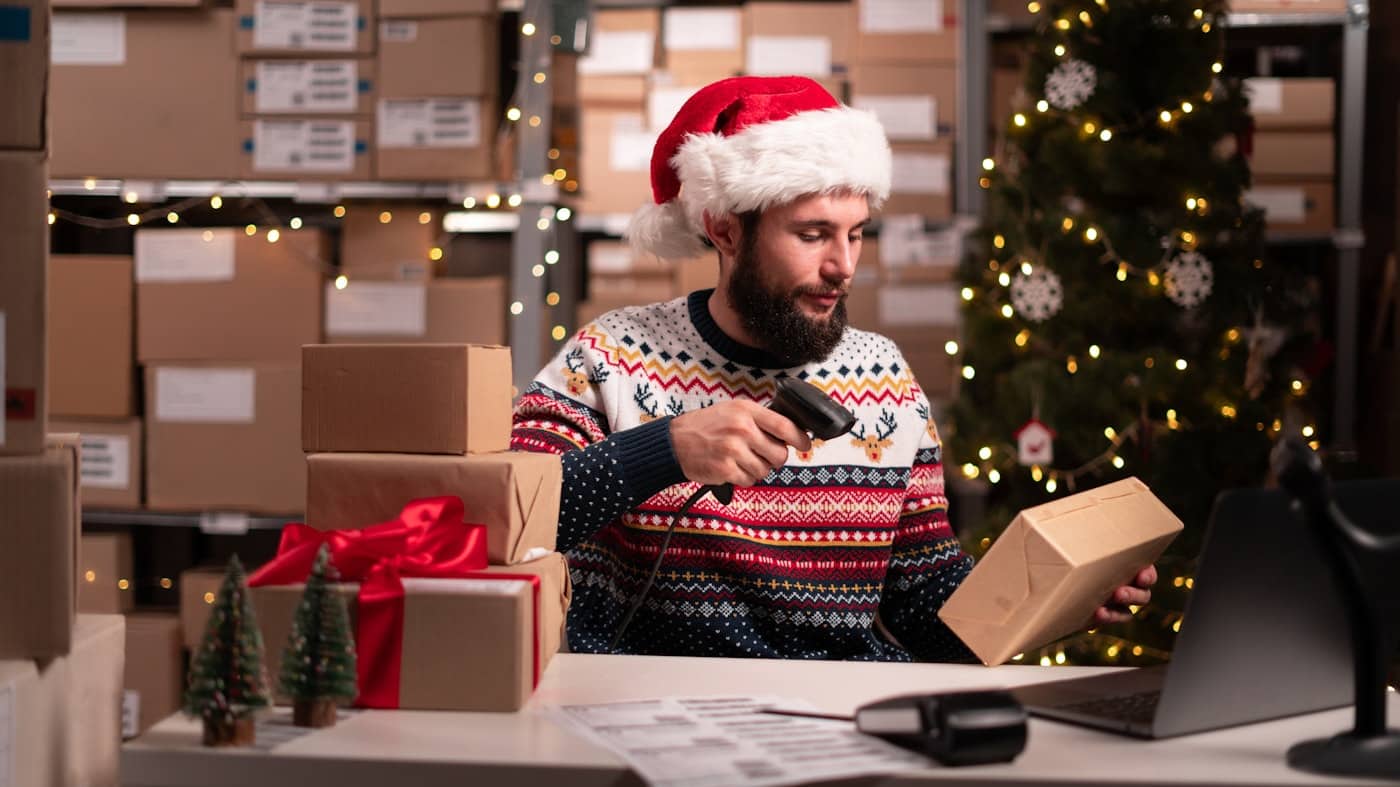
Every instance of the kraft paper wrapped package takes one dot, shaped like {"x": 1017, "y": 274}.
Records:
{"x": 1055, "y": 564}
{"x": 40, "y": 519}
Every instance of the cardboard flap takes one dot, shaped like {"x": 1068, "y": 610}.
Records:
{"x": 538, "y": 486}
{"x": 998, "y": 584}
{"x": 1104, "y": 521}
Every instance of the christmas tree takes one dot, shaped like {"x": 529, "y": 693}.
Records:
{"x": 227, "y": 682}
{"x": 1121, "y": 315}
{"x": 318, "y": 664}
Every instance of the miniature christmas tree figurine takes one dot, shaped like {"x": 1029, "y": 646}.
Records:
{"x": 227, "y": 683}
{"x": 318, "y": 665}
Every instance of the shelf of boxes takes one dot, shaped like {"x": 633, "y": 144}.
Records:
{"x": 1004, "y": 23}
{"x": 222, "y": 523}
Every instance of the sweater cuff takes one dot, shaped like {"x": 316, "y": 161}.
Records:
{"x": 648, "y": 459}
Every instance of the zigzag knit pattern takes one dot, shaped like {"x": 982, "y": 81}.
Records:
{"x": 843, "y": 553}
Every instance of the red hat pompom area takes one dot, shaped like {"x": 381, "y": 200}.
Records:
{"x": 751, "y": 143}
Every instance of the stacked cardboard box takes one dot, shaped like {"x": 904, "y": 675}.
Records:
{"x": 618, "y": 276}
{"x": 615, "y": 136}
{"x": 321, "y": 48}
{"x": 386, "y": 425}
{"x": 1294, "y": 152}
{"x": 221, "y": 318}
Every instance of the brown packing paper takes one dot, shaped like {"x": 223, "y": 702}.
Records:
{"x": 40, "y": 519}
{"x": 515, "y": 494}
{"x": 65, "y": 714}
{"x": 466, "y": 644}
{"x": 419, "y": 398}
{"x": 104, "y": 573}
{"x": 1056, "y": 563}
{"x": 155, "y": 675}
{"x": 198, "y": 589}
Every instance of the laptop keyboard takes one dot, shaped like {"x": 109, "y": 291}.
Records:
{"x": 1136, "y": 708}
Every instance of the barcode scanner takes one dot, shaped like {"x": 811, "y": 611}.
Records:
{"x": 800, "y": 402}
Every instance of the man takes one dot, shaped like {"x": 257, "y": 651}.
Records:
{"x": 839, "y": 550}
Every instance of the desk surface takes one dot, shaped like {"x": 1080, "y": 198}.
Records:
{"x": 378, "y": 748}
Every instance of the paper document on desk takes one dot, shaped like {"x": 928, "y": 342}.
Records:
{"x": 722, "y": 741}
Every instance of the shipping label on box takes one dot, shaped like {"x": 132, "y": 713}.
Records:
{"x": 905, "y": 244}
{"x": 701, "y": 29}
{"x": 205, "y": 395}
{"x": 928, "y": 305}
{"x": 179, "y": 255}
{"x": 781, "y": 55}
{"x": 618, "y": 52}
{"x": 631, "y": 144}
{"x": 304, "y": 146}
{"x": 920, "y": 173}
{"x": 106, "y": 461}
{"x": 906, "y": 118}
{"x": 664, "y": 103}
{"x": 901, "y": 16}
{"x": 329, "y": 86}
{"x": 429, "y": 123}
{"x": 317, "y": 25}
{"x": 377, "y": 309}
{"x": 89, "y": 39}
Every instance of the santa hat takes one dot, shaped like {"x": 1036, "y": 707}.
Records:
{"x": 751, "y": 143}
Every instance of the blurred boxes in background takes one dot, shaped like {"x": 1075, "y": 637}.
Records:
{"x": 903, "y": 31}
{"x": 387, "y": 241}
{"x": 703, "y": 44}
{"x": 916, "y": 102}
{"x": 1310, "y": 154}
{"x": 625, "y": 43}
{"x": 436, "y": 57}
{"x": 222, "y": 295}
{"x": 1295, "y": 205}
{"x": 90, "y": 336}
{"x": 112, "y": 461}
{"x": 305, "y": 27}
{"x": 1292, "y": 103}
{"x": 805, "y": 39}
{"x": 154, "y": 678}
{"x": 161, "y": 85}
{"x": 303, "y": 148}
{"x": 224, "y": 438}
{"x": 460, "y": 311}
{"x": 24, "y": 60}
{"x": 427, "y": 398}
{"x": 40, "y": 519}
{"x": 23, "y": 278}
{"x": 63, "y": 717}
{"x": 615, "y": 164}
{"x": 921, "y": 180}
{"x": 1293, "y": 158}
{"x": 309, "y": 87}
{"x": 199, "y": 587}
{"x": 105, "y": 579}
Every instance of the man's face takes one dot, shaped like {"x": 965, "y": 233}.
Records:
{"x": 790, "y": 279}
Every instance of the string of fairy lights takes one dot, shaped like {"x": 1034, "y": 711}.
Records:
{"x": 993, "y": 461}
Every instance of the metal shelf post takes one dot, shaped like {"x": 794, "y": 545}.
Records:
{"x": 972, "y": 106}
{"x": 1349, "y": 237}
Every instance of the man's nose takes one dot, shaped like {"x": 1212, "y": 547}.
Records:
{"x": 841, "y": 262}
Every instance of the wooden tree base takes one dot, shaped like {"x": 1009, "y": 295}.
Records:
{"x": 313, "y": 713}
{"x": 240, "y": 732}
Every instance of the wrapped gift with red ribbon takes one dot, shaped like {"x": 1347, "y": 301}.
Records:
{"x": 436, "y": 627}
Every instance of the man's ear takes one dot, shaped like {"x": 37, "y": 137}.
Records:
{"x": 724, "y": 231}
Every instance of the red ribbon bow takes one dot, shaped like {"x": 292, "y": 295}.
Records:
{"x": 429, "y": 539}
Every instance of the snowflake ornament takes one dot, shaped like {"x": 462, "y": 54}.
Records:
{"x": 1071, "y": 84}
{"x": 1189, "y": 279}
{"x": 1037, "y": 296}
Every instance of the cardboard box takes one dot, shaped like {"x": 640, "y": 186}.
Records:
{"x": 24, "y": 60}
{"x": 1292, "y": 103}
{"x": 220, "y": 295}
{"x": 305, "y": 27}
{"x": 224, "y": 438}
{"x": 613, "y": 91}
{"x": 810, "y": 39}
{"x": 515, "y": 494}
{"x": 425, "y": 398}
{"x": 104, "y": 574}
{"x": 616, "y": 257}
{"x": 40, "y": 519}
{"x": 390, "y": 242}
{"x": 161, "y": 85}
{"x": 892, "y": 31}
{"x": 446, "y": 622}
{"x": 915, "y": 102}
{"x": 1310, "y": 154}
{"x": 922, "y": 179}
{"x": 346, "y": 86}
{"x": 701, "y": 273}
{"x": 446, "y": 311}
{"x": 23, "y": 283}
{"x": 623, "y": 41}
{"x": 441, "y": 138}
{"x": 907, "y": 252}
{"x": 564, "y": 80}
{"x": 430, "y": 8}
{"x": 199, "y": 587}
{"x": 615, "y": 168}
{"x": 1295, "y": 205}
{"x": 639, "y": 288}
{"x": 1044, "y": 577}
{"x": 64, "y": 716}
{"x": 1289, "y": 6}
{"x": 301, "y": 148}
{"x": 154, "y": 679}
{"x": 703, "y": 44}
{"x": 90, "y": 336}
{"x": 426, "y": 58}
{"x": 112, "y": 465}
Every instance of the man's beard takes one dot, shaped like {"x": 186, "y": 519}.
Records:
{"x": 774, "y": 319}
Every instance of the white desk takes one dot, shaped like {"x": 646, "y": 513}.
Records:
{"x": 424, "y": 749}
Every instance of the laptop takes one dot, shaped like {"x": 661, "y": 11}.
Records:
{"x": 1264, "y": 634}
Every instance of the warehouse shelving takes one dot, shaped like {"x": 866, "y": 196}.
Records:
{"x": 214, "y": 523}
{"x": 1347, "y": 239}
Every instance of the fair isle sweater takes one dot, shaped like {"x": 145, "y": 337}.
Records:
{"x": 845, "y": 552}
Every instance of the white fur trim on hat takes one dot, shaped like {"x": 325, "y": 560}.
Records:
{"x": 764, "y": 165}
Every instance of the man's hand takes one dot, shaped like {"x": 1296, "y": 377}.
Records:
{"x": 1115, "y": 609}
{"x": 736, "y": 442}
